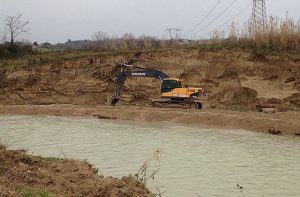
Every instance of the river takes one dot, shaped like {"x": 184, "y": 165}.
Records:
{"x": 193, "y": 161}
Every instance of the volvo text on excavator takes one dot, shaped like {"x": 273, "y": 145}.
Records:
{"x": 172, "y": 90}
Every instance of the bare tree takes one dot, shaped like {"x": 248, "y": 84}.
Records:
{"x": 100, "y": 36}
{"x": 129, "y": 41}
{"x": 16, "y": 26}
{"x": 102, "y": 39}
{"x": 3, "y": 38}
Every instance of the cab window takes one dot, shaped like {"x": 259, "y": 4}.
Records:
{"x": 169, "y": 85}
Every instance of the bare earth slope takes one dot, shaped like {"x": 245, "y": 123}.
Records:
{"x": 236, "y": 79}
{"x": 21, "y": 173}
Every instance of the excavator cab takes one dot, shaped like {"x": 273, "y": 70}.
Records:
{"x": 170, "y": 84}
{"x": 174, "y": 89}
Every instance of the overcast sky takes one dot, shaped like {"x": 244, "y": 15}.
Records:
{"x": 59, "y": 20}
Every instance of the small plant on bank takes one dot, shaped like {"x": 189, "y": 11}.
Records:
{"x": 32, "y": 192}
{"x": 149, "y": 170}
{"x": 52, "y": 158}
{"x": 145, "y": 172}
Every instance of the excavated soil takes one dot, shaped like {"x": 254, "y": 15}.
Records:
{"x": 235, "y": 79}
{"x": 21, "y": 173}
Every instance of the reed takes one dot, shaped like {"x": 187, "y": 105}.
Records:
{"x": 279, "y": 35}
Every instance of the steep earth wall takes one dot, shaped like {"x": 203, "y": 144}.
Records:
{"x": 235, "y": 78}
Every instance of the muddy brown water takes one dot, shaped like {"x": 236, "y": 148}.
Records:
{"x": 195, "y": 162}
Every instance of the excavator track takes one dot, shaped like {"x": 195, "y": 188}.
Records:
{"x": 165, "y": 102}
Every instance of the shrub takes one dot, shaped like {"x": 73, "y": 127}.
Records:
{"x": 8, "y": 50}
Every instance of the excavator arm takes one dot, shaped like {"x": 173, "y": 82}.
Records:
{"x": 133, "y": 71}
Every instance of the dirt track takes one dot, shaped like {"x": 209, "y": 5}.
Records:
{"x": 281, "y": 122}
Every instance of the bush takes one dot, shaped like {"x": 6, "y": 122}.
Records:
{"x": 8, "y": 50}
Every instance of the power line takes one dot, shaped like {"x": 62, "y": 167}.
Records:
{"x": 216, "y": 18}
{"x": 232, "y": 18}
{"x": 204, "y": 18}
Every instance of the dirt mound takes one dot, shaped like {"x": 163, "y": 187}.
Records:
{"x": 294, "y": 78}
{"x": 3, "y": 82}
{"x": 228, "y": 91}
{"x": 294, "y": 99}
{"x": 297, "y": 83}
{"x": 230, "y": 73}
{"x": 32, "y": 80}
{"x": 22, "y": 174}
{"x": 233, "y": 95}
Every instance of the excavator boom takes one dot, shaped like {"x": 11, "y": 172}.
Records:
{"x": 141, "y": 72}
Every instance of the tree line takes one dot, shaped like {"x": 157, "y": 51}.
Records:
{"x": 279, "y": 35}
{"x": 101, "y": 41}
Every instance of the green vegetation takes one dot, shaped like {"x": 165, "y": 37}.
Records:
{"x": 32, "y": 192}
{"x": 52, "y": 158}
{"x": 8, "y": 50}
{"x": 37, "y": 59}
{"x": 41, "y": 58}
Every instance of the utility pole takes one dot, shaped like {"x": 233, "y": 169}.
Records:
{"x": 174, "y": 33}
{"x": 259, "y": 15}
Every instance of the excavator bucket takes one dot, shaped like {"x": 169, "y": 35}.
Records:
{"x": 112, "y": 100}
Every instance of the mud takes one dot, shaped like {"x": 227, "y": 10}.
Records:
{"x": 21, "y": 173}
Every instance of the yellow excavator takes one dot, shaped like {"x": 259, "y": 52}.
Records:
{"x": 172, "y": 90}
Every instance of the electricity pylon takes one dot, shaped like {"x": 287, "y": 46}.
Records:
{"x": 171, "y": 32}
{"x": 259, "y": 15}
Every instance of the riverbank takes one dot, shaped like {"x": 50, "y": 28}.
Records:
{"x": 286, "y": 123}
{"x": 26, "y": 175}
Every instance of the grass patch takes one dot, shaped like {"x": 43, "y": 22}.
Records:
{"x": 52, "y": 158}
{"x": 52, "y": 57}
{"x": 32, "y": 192}
{"x": 45, "y": 58}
